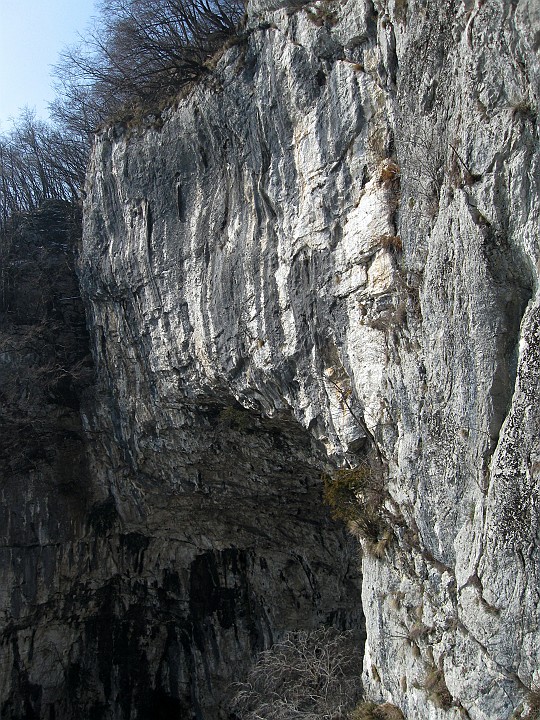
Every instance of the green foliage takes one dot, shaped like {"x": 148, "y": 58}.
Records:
{"x": 341, "y": 491}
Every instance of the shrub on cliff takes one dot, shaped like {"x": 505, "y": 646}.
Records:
{"x": 343, "y": 488}
{"x": 373, "y": 711}
{"x": 356, "y": 495}
{"x": 307, "y": 676}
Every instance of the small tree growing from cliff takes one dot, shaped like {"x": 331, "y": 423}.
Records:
{"x": 307, "y": 676}
{"x": 356, "y": 496}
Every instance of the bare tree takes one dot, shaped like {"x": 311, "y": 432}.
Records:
{"x": 139, "y": 52}
{"x": 307, "y": 676}
{"x": 142, "y": 50}
{"x": 39, "y": 162}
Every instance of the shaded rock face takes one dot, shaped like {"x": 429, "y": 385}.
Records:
{"x": 147, "y": 557}
{"x": 340, "y": 231}
{"x": 45, "y": 368}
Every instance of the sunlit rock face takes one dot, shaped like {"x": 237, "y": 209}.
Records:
{"x": 342, "y": 230}
{"x": 326, "y": 252}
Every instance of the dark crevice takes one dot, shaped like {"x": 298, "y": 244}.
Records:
{"x": 180, "y": 204}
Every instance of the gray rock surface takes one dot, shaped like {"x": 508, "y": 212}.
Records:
{"x": 252, "y": 239}
{"x": 149, "y": 551}
{"x": 247, "y": 248}
{"x": 329, "y": 246}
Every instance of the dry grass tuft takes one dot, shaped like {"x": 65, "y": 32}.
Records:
{"x": 391, "y": 242}
{"x": 437, "y": 690}
{"x": 533, "y": 700}
{"x": 368, "y": 710}
{"x": 388, "y": 172}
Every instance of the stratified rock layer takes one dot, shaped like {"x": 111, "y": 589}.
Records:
{"x": 342, "y": 228}
{"x": 328, "y": 247}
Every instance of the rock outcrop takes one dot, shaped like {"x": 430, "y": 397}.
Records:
{"x": 149, "y": 551}
{"x": 327, "y": 252}
{"x": 343, "y": 229}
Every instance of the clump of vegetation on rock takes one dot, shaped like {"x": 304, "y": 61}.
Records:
{"x": 372, "y": 711}
{"x": 306, "y": 676}
{"x": 436, "y": 689}
{"x": 356, "y": 495}
{"x": 533, "y": 702}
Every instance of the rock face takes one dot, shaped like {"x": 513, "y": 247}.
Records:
{"x": 149, "y": 551}
{"x": 192, "y": 534}
{"x": 45, "y": 368}
{"x": 342, "y": 229}
{"x": 327, "y": 252}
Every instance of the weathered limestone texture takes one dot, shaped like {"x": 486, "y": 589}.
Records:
{"x": 325, "y": 252}
{"x": 148, "y": 552}
{"x": 341, "y": 228}
{"x": 452, "y": 614}
{"x": 154, "y": 540}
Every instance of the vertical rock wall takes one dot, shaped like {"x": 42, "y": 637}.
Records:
{"x": 325, "y": 252}
{"x": 343, "y": 229}
{"x": 450, "y": 615}
{"x": 153, "y": 543}
{"x": 45, "y": 370}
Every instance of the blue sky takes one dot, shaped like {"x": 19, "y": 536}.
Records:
{"x": 32, "y": 34}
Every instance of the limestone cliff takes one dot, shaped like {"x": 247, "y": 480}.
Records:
{"x": 147, "y": 555}
{"x": 342, "y": 229}
{"x": 325, "y": 252}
